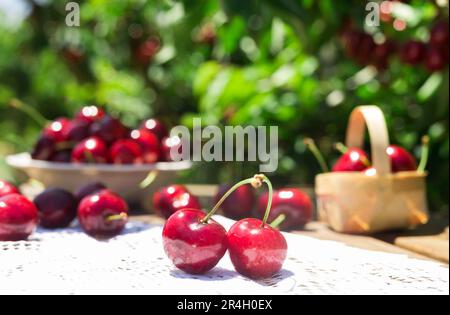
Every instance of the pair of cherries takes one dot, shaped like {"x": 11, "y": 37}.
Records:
{"x": 291, "y": 204}
{"x": 195, "y": 243}
{"x": 93, "y": 136}
{"x": 101, "y": 213}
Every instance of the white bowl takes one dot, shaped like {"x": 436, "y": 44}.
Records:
{"x": 123, "y": 179}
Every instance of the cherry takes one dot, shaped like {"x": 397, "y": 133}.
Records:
{"x": 56, "y": 207}
{"x": 401, "y": 160}
{"x": 352, "y": 39}
{"x": 90, "y": 114}
{"x": 293, "y": 203}
{"x": 125, "y": 151}
{"x": 239, "y": 204}
{"x": 256, "y": 249}
{"x": 382, "y": 53}
{"x": 109, "y": 129}
{"x": 412, "y": 52}
{"x": 170, "y": 199}
{"x": 352, "y": 160}
{"x": 147, "y": 50}
{"x": 56, "y": 130}
{"x": 167, "y": 144}
{"x": 44, "y": 148}
{"x": 63, "y": 156}
{"x": 91, "y": 150}
{"x": 193, "y": 244}
{"x": 436, "y": 59}
{"x": 76, "y": 131}
{"x": 7, "y": 188}
{"x": 365, "y": 49}
{"x": 149, "y": 144}
{"x": 103, "y": 214}
{"x": 155, "y": 126}
{"x": 88, "y": 189}
{"x": 18, "y": 218}
{"x": 439, "y": 34}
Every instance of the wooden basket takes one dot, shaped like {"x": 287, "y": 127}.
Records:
{"x": 353, "y": 202}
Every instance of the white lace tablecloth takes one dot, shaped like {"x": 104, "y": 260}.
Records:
{"x": 69, "y": 262}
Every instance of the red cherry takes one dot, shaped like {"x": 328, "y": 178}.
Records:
{"x": 7, "y": 188}
{"x": 56, "y": 207}
{"x": 156, "y": 127}
{"x": 167, "y": 144}
{"x": 64, "y": 156}
{"x": 293, "y": 203}
{"x": 76, "y": 131}
{"x": 365, "y": 49}
{"x": 18, "y": 218}
{"x": 256, "y": 250}
{"x": 88, "y": 189}
{"x": 401, "y": 160}
{"x": 436, "y": 59}
{"x": 125, "y": 152}
{"x": 103, "y": 214}
{"x": 149, "y": 144}
{"x": 193, "y": 246}
{"x": 44, "y": 148}
{"x": 91, "y": 150}
{"x": 354, "y": 160}
{"x": 382, "y": 53}
{"x": 147, "y": 50}
{"x": 56, "y": 130}
{"x": 239, "y": 203}
{"x": 170, "y": 199}
{"x": 439, "y": 34}
{"x": 352, "y": 40}
{"x": 109, "y": 129}
{"x": 90, "y": 114}
{"x": 412, "y": 52}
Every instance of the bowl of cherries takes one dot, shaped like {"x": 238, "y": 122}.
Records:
{"x": 96, "y": 146}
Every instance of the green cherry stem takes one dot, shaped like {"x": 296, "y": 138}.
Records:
{"x": 278, "y": 220}
{"x": 117, "y": 217}
{"x": 343, "y": 149}
{"x": 29, "y": 111}
{"x": 311, "y": 145}
{"x": 425, "y": 154}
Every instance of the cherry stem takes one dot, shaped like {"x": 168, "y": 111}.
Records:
{"x": 343, "y": 149}
{"x": 29, "y": 111}
{"x": 278, "y": 220}
{"x": 117, "y": 217}
{"x": 311, "y": 145}
{"x": 425, "y": 154}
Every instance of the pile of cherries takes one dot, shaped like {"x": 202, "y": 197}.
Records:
{"x": 94, "y": 136}
{"x": 291, "y": 204}
{"x": 195, "y": 243}
{"x": 434, "y": 55}
{"x": 100, "y": 212}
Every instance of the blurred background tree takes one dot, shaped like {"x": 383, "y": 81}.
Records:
{"x": 299, "y": 64}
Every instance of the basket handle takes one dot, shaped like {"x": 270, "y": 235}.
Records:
{"x": 373, "y": 117}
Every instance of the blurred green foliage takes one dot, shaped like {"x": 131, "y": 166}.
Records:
{"x": 229, "y": 62}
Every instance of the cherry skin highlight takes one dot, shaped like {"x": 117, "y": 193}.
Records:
{"x": 352, "y": 161}
{"x": 18, "y": 218}
{"x": 56, "y": 207}
{"x": 7, "y": 188}
{"x": 401, "y": 160}
{"x": 95, "y": 212}
{"x": 257, "y": 251}
{"x": 193, "y": 246}
{"x": 156, "y": 127}
{"x": 91, "y": 150}
{"x": 148, "y": 143}
{"x": 90, "y": 114}
{"x": 170, "y": 199}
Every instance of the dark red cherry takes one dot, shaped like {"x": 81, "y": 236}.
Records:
{"x": 44, "y": 148}
{"x": 383, "y": 52}
{"x": 354, "y": 160}
{"x": 167, "y": 144}
{"x": 436, "y": 58}
{"x": 439, "y": 34}
{"x": 155, "y": 126}
{"x": 90, "y": 114}
{"x": 18, "y": 218}
{"x": 352, "y": 40}
{"x": 109, "y": 129}
{"x": 193, "y": 246}
{"x": 149, "y": 144}
{"x": 76, "y": 131}
{"x": 412, "y": 52}
{"x": 365, "y": 49}
{"x": 170, "y": 199}
{"x": 88, "y": 189}
{"x": 91, "y": 150}
{"x": 56, "y": 130}
{"x": 256, "y": 250}
{"x": 56, "y": 207}
{"x": 401, "y": 160}
{"x": 239, "y": 204}
{"x": 63, "y": 156}
{"x": 7, "y": 188}
{"x": 125, "y": 151}
{"x": 103, "y": 214}
{"x": 293, "y": 203}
